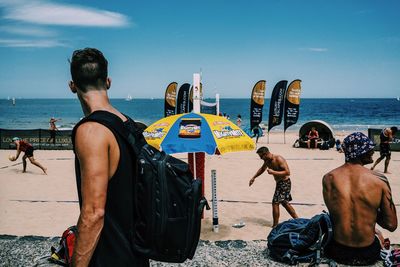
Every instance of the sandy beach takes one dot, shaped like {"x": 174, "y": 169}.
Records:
{"x": 44, "y": 205}
{"x": 35, "y": 204}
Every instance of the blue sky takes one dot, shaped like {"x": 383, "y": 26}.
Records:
{"x": 337, "y": 48}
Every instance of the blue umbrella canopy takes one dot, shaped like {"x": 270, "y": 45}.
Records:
{"x": 192, "y": 132}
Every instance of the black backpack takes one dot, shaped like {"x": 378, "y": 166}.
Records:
{"x": 300, "y": 240}
{"x": 168, "y": 201}
{"x": 324, "y": 145}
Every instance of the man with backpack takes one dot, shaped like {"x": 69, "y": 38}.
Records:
{"x": 104, "y": 171}
{"x": 357, "y": 199}
{"x": 276, "y": 166}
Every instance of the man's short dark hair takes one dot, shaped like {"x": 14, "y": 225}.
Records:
{"x": 89, "y": 68}
{"x": 262, "y": 150}
{"x": 394, "y": 129}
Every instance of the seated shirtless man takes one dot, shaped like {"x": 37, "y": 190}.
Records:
{"x": 313, "y": 137}
{"x": 357, "y": 199}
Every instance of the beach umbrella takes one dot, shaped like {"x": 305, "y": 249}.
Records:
{"x": 197, "y": 132}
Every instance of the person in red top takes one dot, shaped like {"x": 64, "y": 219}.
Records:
{"x": 27, "y": 148}
{"x": 313, "y": 136}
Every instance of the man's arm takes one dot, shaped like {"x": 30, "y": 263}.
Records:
{"x": 390, "y": 135}
{"x": 282, "y": 164}
{"x": 92, "y": 149}
{"x": 326, "y": 188}
{"x": 258, "y": 173}
{"x": 387, "y": 217}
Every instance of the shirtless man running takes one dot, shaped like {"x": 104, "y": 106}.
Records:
{"x": 357, "y": 199}
{"x": 277, "y": 166}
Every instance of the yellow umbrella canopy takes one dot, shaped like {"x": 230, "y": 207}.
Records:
{"x": 197, "y": 132}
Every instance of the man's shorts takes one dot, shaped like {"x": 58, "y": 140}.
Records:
{"x": 52, "y": 133}
{"x": 29, "y": 152}
{"x": 384, "y": 150}
{"x": 353, "y": 256}
{"x": 282, "y": 191}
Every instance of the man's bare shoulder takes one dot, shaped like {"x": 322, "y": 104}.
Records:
{"x": 279, "y": 158}
{"x": 92, "y": 134}
{"x": 333, "y": 173}
{"x": 91, "y": 127}
{"x": 381, "y": 178}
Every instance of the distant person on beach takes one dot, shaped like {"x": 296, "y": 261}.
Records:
{"x": 53, "y": 128}
{"x": 338, "y": 145}
{"x": 385, "y": 137}
{"x": 256, "y": 132}
{"x": 104, "y": 171}
{"x": 239, "y": 120}
{"x": 27, "y": 148}
{"x": 313, "y": 136}
{"x": 357, "y": 199}
{"x": 276, "y": 166}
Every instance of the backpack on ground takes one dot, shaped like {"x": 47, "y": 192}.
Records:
{"x": 168, "y": 201}
{"x": 63, "y": 253}
{"x": 300, "y": 240}
{"x": 324, "y": 145}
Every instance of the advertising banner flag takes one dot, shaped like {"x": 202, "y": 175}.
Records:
{"x": 183, "y": 99}
{"x": 191, "y": 99}
{"x": 170, "y": 99}
{"x": 276, "y": 104}
{"x": 292, "y": 103}
{"x": 257, "y": 103}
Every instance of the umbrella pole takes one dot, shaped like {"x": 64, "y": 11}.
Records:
{"x": 284, "y": 137}
{"x": 194, "y": 165}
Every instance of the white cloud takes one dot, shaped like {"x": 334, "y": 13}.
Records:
{"x": 48, "y": 13}
{"x": 315, "y": 49}
{"x": 30, "y": 43}
{"x": 27, "y": 30}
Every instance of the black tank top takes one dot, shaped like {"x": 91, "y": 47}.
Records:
{"x": 114, "y": 246}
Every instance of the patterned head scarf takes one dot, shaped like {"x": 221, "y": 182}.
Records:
{"x": 355, "y": 145}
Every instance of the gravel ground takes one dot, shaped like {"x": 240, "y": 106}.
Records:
{"x": 30, "y": 250}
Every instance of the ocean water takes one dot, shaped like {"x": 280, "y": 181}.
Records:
{"x": 340, "y": 114}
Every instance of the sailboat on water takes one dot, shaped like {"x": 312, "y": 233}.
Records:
{"x": 129, "y": 98}
{"x": 398, "y": 98}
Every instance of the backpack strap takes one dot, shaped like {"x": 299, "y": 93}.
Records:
{"x": 132, "y": 134}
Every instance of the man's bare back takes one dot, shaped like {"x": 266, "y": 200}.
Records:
{"x": 353, "y": 196}
{"x": 357, "y": 199}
